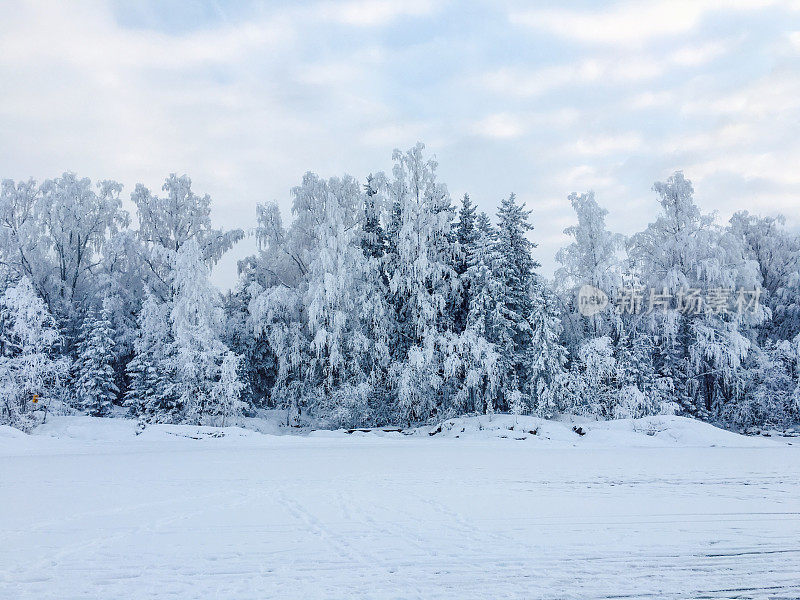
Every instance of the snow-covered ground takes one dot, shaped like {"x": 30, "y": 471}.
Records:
{"x": 652, "y": 508}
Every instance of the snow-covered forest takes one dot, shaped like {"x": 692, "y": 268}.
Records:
{"x": 386, "y": 301}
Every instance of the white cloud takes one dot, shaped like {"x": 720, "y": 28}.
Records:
{"x": 512, "y": 125}
{"x": 370, "y": 13}
{"x": 773, "y": 95}
{"x": 648, "y": 99}
{"x": 693, "y": 56}
{"x": 524, "y": 82}
{"x": 499, "y": 126}
{"x": 91, "y": 39}
{"x": 727, "y": 137}
{"x": 601, "y": 70}
{"x": 630, "y": 23}
{"x": 603, "y": 145}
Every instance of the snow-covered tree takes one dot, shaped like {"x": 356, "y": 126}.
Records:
{"x": 776, "y": 251}
{"x": 515, "y": 270}
{"x": 381, "y": 303}
{"x": 124, "y": 274}
{"x": 95, "y": 385}
{"x": 168, "y": 222}
{"x": 258, "y": 363}
{"x": 485, "y": 310}
{"x": 276, "y": 315}
{"x": 373, "y": 237}
{"x": 55, "y": 234}
{"x": 347, "y": 315}
{"x": 151, "y": 393}
{"x": 546, "y": 356}
{"x": 466, "y": 236}
{"x": 590, "y": 259}
{"x": 422, "y": 282}
{"x": 29, "y": 365}
{"x": 226, "y": 404}
{"x": 771, "y": 382}
{"x": 196, "y": 323}
{"x": 699, "y": 346}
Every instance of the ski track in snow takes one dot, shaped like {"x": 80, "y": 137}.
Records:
{"x": 345, "y": 517}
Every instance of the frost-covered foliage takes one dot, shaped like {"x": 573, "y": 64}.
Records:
{"x": 168, "y": 222}
{"x": 95, "y": 387}
{"x": 700, "y": 351}
{"x": 182, "y": 370}
{"x": 55, "y": 234}
{"x": 151, "y": 388}
{"x": 380, "y": 302}
{"x": 771, "y": 390}
{"x": 31, "y": 372}
{"x": 776, "y": 251}
{"x": 591, "y": 259}
{"x": 206, "y": 383}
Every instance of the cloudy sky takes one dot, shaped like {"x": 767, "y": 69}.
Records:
{"x": 509, "y": 97}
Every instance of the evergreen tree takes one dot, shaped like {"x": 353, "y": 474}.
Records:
{"x": 466, "y": 235}
{"x": 485, "y": 311}
{"x": 96, "y": 389}
{"x": 514, "y": 335}
{"x": 545, "y": 355}
{"x": 151, "y": 373}
{"x": 373, "y": 238}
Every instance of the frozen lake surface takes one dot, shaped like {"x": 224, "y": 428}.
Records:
{"x": 88, "y": 510}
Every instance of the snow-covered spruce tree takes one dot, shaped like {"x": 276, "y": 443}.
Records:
{"x": 373, "y": 237}
{"x": 29, "y": 365}
{"x": 466, "y": 236}
{"x": 699, "y": 347}
{"x": 527, "y": 328}
{"x": 198, "y": 350}
{"x": 485, "y": 312}
{"x": 95, "y": 386}
{"x": 226, "y": 392}
{"x": 546, "y": 356}
{"x": 151, "y": 394}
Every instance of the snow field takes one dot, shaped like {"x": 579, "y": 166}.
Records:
{"x": 88, "y": 510}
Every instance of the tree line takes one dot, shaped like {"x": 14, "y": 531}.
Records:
{"x": 384, "y": 302}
